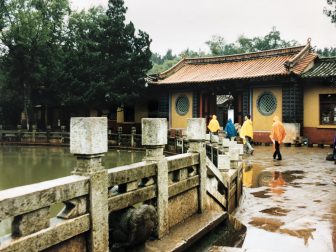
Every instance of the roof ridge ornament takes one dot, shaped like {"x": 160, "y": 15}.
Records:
{"x": 289, "y": 64}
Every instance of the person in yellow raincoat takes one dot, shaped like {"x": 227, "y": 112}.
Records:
{"x": 246, "y": 133}
{"x": 213, "y": 125}
{"x": 277, "y": 136}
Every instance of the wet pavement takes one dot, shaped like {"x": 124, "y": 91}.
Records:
{"x": 289, "y": 205}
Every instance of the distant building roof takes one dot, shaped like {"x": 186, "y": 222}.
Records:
{"x": 323, "y": 68}
{"x": 279, "y": 62}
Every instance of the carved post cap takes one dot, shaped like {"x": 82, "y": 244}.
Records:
{"x": 154, "y": 131}
{"x": 196, "y": 129}
{"x": 88, "y": 135}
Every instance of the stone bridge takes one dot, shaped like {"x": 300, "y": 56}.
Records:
{"x": 122, "y": 206}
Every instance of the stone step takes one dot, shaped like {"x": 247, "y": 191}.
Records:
{"x": 184, "y": 235}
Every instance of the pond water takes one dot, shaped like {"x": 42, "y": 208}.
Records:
{"x": 23, "y": 165}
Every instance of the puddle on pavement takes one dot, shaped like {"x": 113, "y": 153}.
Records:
{"x": 292, "y": 204}
{"x": 256, "y": 176}
{"x": 274, "y": 225}
{"x": 276, "y": 211}
{"x": 230, "y": 234}
{"x": 262, "y": 194}
{"x": 268, "y": 224}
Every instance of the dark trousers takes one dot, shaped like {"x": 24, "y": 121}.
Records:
{"x": 277, "y": 151}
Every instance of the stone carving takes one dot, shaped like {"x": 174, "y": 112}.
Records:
{"x": 132, "y": 226}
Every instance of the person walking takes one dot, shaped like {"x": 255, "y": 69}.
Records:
{"x": 213, "y": 126}
{"x": 277, "y": 136}
{"x": 230, "y": 129}
{"x": 246, "y": 133}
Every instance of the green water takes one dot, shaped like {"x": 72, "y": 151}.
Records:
{"x": 26, "y": 165}
{"x": 23, "y": 165}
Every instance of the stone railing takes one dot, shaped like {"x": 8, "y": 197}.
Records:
{"x": 174, "y": 187}
{"x": 23, "y": 136}
{"x": 227, "y": 157}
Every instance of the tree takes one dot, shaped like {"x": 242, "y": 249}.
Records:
{"x": 83, "y": 81}
{"x": 272, "y": 40}
{"x": 327, "y": 52}
{"x": 31, "y": 38}
{"x": 126, "y": 56}
{"x": 331, "y": 12}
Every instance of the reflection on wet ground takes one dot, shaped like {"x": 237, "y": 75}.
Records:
{"x": 289, "y": 205}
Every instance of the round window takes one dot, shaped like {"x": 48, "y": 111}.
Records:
{"x": 182, "y": 105}
{"x": 266, "y": 103}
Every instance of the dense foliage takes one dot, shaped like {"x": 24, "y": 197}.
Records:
{"x": 331, "y": 10}
{"x": 52, "y": 56}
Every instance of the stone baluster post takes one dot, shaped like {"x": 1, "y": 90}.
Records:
{"x": 48, "y": 132}
{"x": 88, "y": 142}
{"x": 119, "y": 135}
{"x": 133, "y": 132}
{"x": 196, "y": 133}
{"x": 154, "y": 137}
{"x": 33, "y": 138}
{"x": 19, "y": 128}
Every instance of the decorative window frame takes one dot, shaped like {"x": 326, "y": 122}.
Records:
{"x": 263, "y": 94}
{"x": 179, "y": 99}
{"x": 327, "y": 110}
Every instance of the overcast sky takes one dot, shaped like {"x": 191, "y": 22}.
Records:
{"x": 181, "y": 24}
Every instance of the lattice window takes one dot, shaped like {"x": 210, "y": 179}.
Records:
{"x": 182, "y": 105}
{"x": 266, "y": 103}
{"x": 328, "y": 109}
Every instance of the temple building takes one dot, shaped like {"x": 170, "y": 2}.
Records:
{"x": 292, "y": 83}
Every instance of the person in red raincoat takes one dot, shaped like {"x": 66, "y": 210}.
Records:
{"x": 277, "y": 136}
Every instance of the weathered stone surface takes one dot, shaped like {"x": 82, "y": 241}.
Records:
{"x": 234, "y": 154}
{"x": 88, "y": 135}
{"x": 241, "y": 148}
{"x": 74, "y": 208}
{"x": 29, "y": 223}
{"x": 56, "y": 233}
{"x": 154, "y": 153}
{"x": 199, "y": 147}
{"x": 131, "y": 198}
{"x": 23, "y": 199}
{"x": 196, "y": 129}
{"x": 182, "y": 206}
{"x": 182, "y": 236}
{"x": 74, "y": 244}
{"x": 162, "y": 197}
{"x": 125, "y": 174}
{"x": 223, "y": 162}
{"x": 87, "y": 164}
{"x": 154, "y": 131}
{"x": 99, "y": 212}
{"x": 183, "y": 186}
{"x": 178, "y": 162}
{"x": 132, "y": 226}
{"x": 226, "y": 142}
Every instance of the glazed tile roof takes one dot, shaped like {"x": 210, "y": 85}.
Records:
{"x": 279, "y": 62}
{"x": 323, "y": 68}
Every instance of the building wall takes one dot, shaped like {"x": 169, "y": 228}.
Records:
{"x": 261, "y": 122}
{"x": 178, "y": 121}
{"x": 316, "y": 133}
{"x": 140, "y": 111}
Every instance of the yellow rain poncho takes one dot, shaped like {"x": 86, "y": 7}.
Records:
{"x": 278, "y": 132}
{"x": 213, "y": 124}
{"x": 246, "y": 129}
